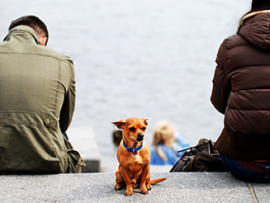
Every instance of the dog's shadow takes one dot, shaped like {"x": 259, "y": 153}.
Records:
{"x": 136, "y": 190}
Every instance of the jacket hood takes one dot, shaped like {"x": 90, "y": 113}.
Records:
{"x": 255, "y": 28}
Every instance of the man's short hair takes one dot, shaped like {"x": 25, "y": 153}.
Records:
{"x": 33, "y": 22}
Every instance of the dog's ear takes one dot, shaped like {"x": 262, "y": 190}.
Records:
{"x": 145, "y": 121}
{"x": 120, "y": 124}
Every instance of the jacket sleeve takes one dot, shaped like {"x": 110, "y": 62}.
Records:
{"x": 221, "y": 84}
{"x": 69, "y": 103}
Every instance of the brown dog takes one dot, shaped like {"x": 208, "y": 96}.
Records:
{"x": 134, "y": 157}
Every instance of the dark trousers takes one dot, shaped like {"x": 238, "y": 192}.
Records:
{"x": 244, "y": 173}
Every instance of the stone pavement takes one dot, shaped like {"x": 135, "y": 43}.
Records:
{"x": 99, "y": 187}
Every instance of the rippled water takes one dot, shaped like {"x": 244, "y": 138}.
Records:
{"x": 147, "y": 58}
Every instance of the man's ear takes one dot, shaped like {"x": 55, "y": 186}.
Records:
{"x": 120, "y": 124}
{"x": 43, "y": 41}
{"x": 145, "y": 121}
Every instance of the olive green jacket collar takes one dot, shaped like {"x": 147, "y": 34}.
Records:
{"x": 23, "y": 33}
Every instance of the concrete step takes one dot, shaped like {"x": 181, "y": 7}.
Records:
{"x": 99, "y": 187}
{"x": 83, "y": 140}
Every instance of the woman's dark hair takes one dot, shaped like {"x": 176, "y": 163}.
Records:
{"x": 33, "y": 22}
{"x": 258, "y": 5}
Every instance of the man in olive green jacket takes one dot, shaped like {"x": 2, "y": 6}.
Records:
{"x": 37, "y": 99}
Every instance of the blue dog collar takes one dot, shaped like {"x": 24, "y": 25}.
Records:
{"x": 132, "y": 149}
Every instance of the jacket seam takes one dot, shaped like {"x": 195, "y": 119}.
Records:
{"x": 58, "y": 87}
{"x": 34, "y": 54}
{"x": 23, "y": 124}
{"x": 30, "y": 112}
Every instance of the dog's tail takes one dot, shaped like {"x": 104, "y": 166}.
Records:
{"x": 155, "y": 181}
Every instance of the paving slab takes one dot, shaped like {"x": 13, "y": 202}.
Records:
{"x": 262, "y": 192}
{"x": 99, "y": 187}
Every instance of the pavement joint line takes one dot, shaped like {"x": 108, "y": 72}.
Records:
{"x": 252, "y": 193}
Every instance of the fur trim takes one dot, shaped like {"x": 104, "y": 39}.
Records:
{"x": 252, "y": 14}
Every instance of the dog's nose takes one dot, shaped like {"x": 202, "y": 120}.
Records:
{"x": 140, "y": 137}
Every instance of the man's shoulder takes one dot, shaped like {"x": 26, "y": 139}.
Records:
{"x": 46, "y": 51}
{"x": 33, "y": 49}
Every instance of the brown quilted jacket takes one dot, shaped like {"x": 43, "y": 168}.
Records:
{"x": 241, "y": 90}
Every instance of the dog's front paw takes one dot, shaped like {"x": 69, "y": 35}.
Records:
{"x": 129, "y": 191}
{"x": 117, "y": 186}
{"x": 144, "y": 190}
{"x": 149, "y": 187}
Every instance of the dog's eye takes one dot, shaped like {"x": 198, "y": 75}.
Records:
{"x": 143, "y": 128}
{"x": 132, "y": 129}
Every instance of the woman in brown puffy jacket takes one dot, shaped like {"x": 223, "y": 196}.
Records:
{"x": 241, "y": 91}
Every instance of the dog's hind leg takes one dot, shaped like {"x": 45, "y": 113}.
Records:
{"x": 134, "y": 183}
{"x": 148, "y": 184}
{"x": 119, "y": 180}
